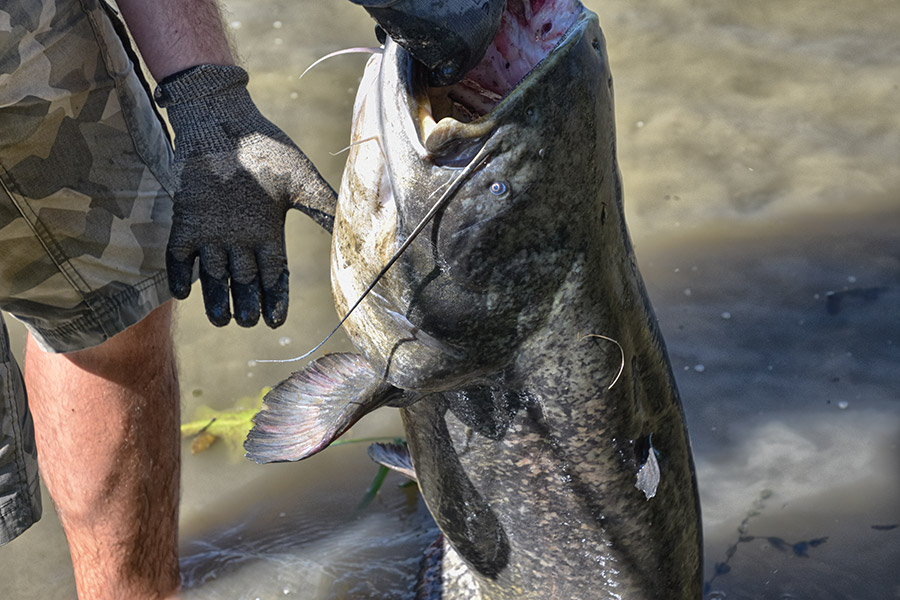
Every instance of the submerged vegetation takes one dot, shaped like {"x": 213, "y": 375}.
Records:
{"x": 232, "y": 424}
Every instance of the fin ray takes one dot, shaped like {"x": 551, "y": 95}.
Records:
{"x": 310, "y": 409}
{"x": 393, "y": 456}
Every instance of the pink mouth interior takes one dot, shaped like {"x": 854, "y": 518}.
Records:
{"x": 529, "y": 30}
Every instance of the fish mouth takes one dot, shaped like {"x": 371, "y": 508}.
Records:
{"x": 530, "y": 32}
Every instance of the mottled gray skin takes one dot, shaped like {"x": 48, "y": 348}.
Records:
{"x": 525, "y": 443}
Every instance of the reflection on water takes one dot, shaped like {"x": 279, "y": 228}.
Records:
{"x": 301, "y": 535}
{"x": 758, "y": 144}
{"x": 791, "y": 400}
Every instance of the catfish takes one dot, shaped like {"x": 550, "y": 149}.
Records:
{"x": 513, "y": 330}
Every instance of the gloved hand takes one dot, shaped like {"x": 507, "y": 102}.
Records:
{"x": 238, "y": 175}
{"x": 448, "y": 36}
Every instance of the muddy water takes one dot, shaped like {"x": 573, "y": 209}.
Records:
{"x": 761, "y": 161}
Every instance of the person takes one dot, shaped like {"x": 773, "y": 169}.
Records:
{"x": 102, "y": 222}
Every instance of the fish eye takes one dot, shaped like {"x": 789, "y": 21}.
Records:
{"x": 499, "y": 188}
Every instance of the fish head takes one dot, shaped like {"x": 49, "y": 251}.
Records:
{"x": 502, "y": 168}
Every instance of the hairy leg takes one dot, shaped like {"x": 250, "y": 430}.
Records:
{"x": 106, "y": 424}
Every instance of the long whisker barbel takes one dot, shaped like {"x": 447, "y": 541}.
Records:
{"x": 360, "y": 50}
{"x": 621, "y": 350}
{"x": 479, "y": 159}
{"x": 356, "y": 143}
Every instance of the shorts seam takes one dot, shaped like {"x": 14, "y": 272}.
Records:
{"x": 44, "y": 236}
{"x": 99, "y": 317}
{"x": 16, "y": 516}
{"x": 14, "y": 507}
{"x": 12, "y": 404}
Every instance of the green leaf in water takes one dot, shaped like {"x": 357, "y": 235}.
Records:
{"x": 373, "y": 487}
{"x": 380, "y": 475}
{"x": 230, "y": 425}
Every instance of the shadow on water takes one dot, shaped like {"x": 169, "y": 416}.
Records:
{"x": 791, "y": 401}
{"x": 763, "y": 194}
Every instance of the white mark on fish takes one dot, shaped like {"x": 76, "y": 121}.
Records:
{"x": 648, "y": 474}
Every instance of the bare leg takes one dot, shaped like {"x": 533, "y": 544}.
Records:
{"x": 106, "y": 423}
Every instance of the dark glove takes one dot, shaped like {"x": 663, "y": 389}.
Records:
{"x": 238, "y": 175}
{"x": 448, "y": 36}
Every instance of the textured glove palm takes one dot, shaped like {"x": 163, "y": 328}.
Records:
{"x": 238, "y": 174}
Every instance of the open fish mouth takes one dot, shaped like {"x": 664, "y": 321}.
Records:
{"x": 529, "y": 31}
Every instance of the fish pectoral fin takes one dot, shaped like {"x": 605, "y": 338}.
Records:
{"x": 310, "y": 409}
{"x": 393, "y": 456}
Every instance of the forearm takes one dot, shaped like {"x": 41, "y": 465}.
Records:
{"x": 173, "y": 35}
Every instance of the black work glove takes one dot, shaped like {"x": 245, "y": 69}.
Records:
{"x": 238, "y": 175}
{"x": 449, "y": 37}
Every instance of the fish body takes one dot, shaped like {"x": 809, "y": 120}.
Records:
{"x": 515, "y": 333}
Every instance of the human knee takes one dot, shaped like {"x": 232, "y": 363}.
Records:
{"x": 143, "y": 350}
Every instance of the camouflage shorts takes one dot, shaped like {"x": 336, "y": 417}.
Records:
{"x": 84, "y": 208}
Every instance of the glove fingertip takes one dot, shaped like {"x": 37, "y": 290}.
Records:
{"x": 179, "y": 290}
{"x": 275, "y": 311}
{"x": 247, "y": 319}
{"x": 215, "y": 299}
{"x": 180, "y": 275}
{"x": 217, "y": 316}
{"x": 275, "y": 302}
{"x": 245, "y": 298}
{"x": 276, "y": 317}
